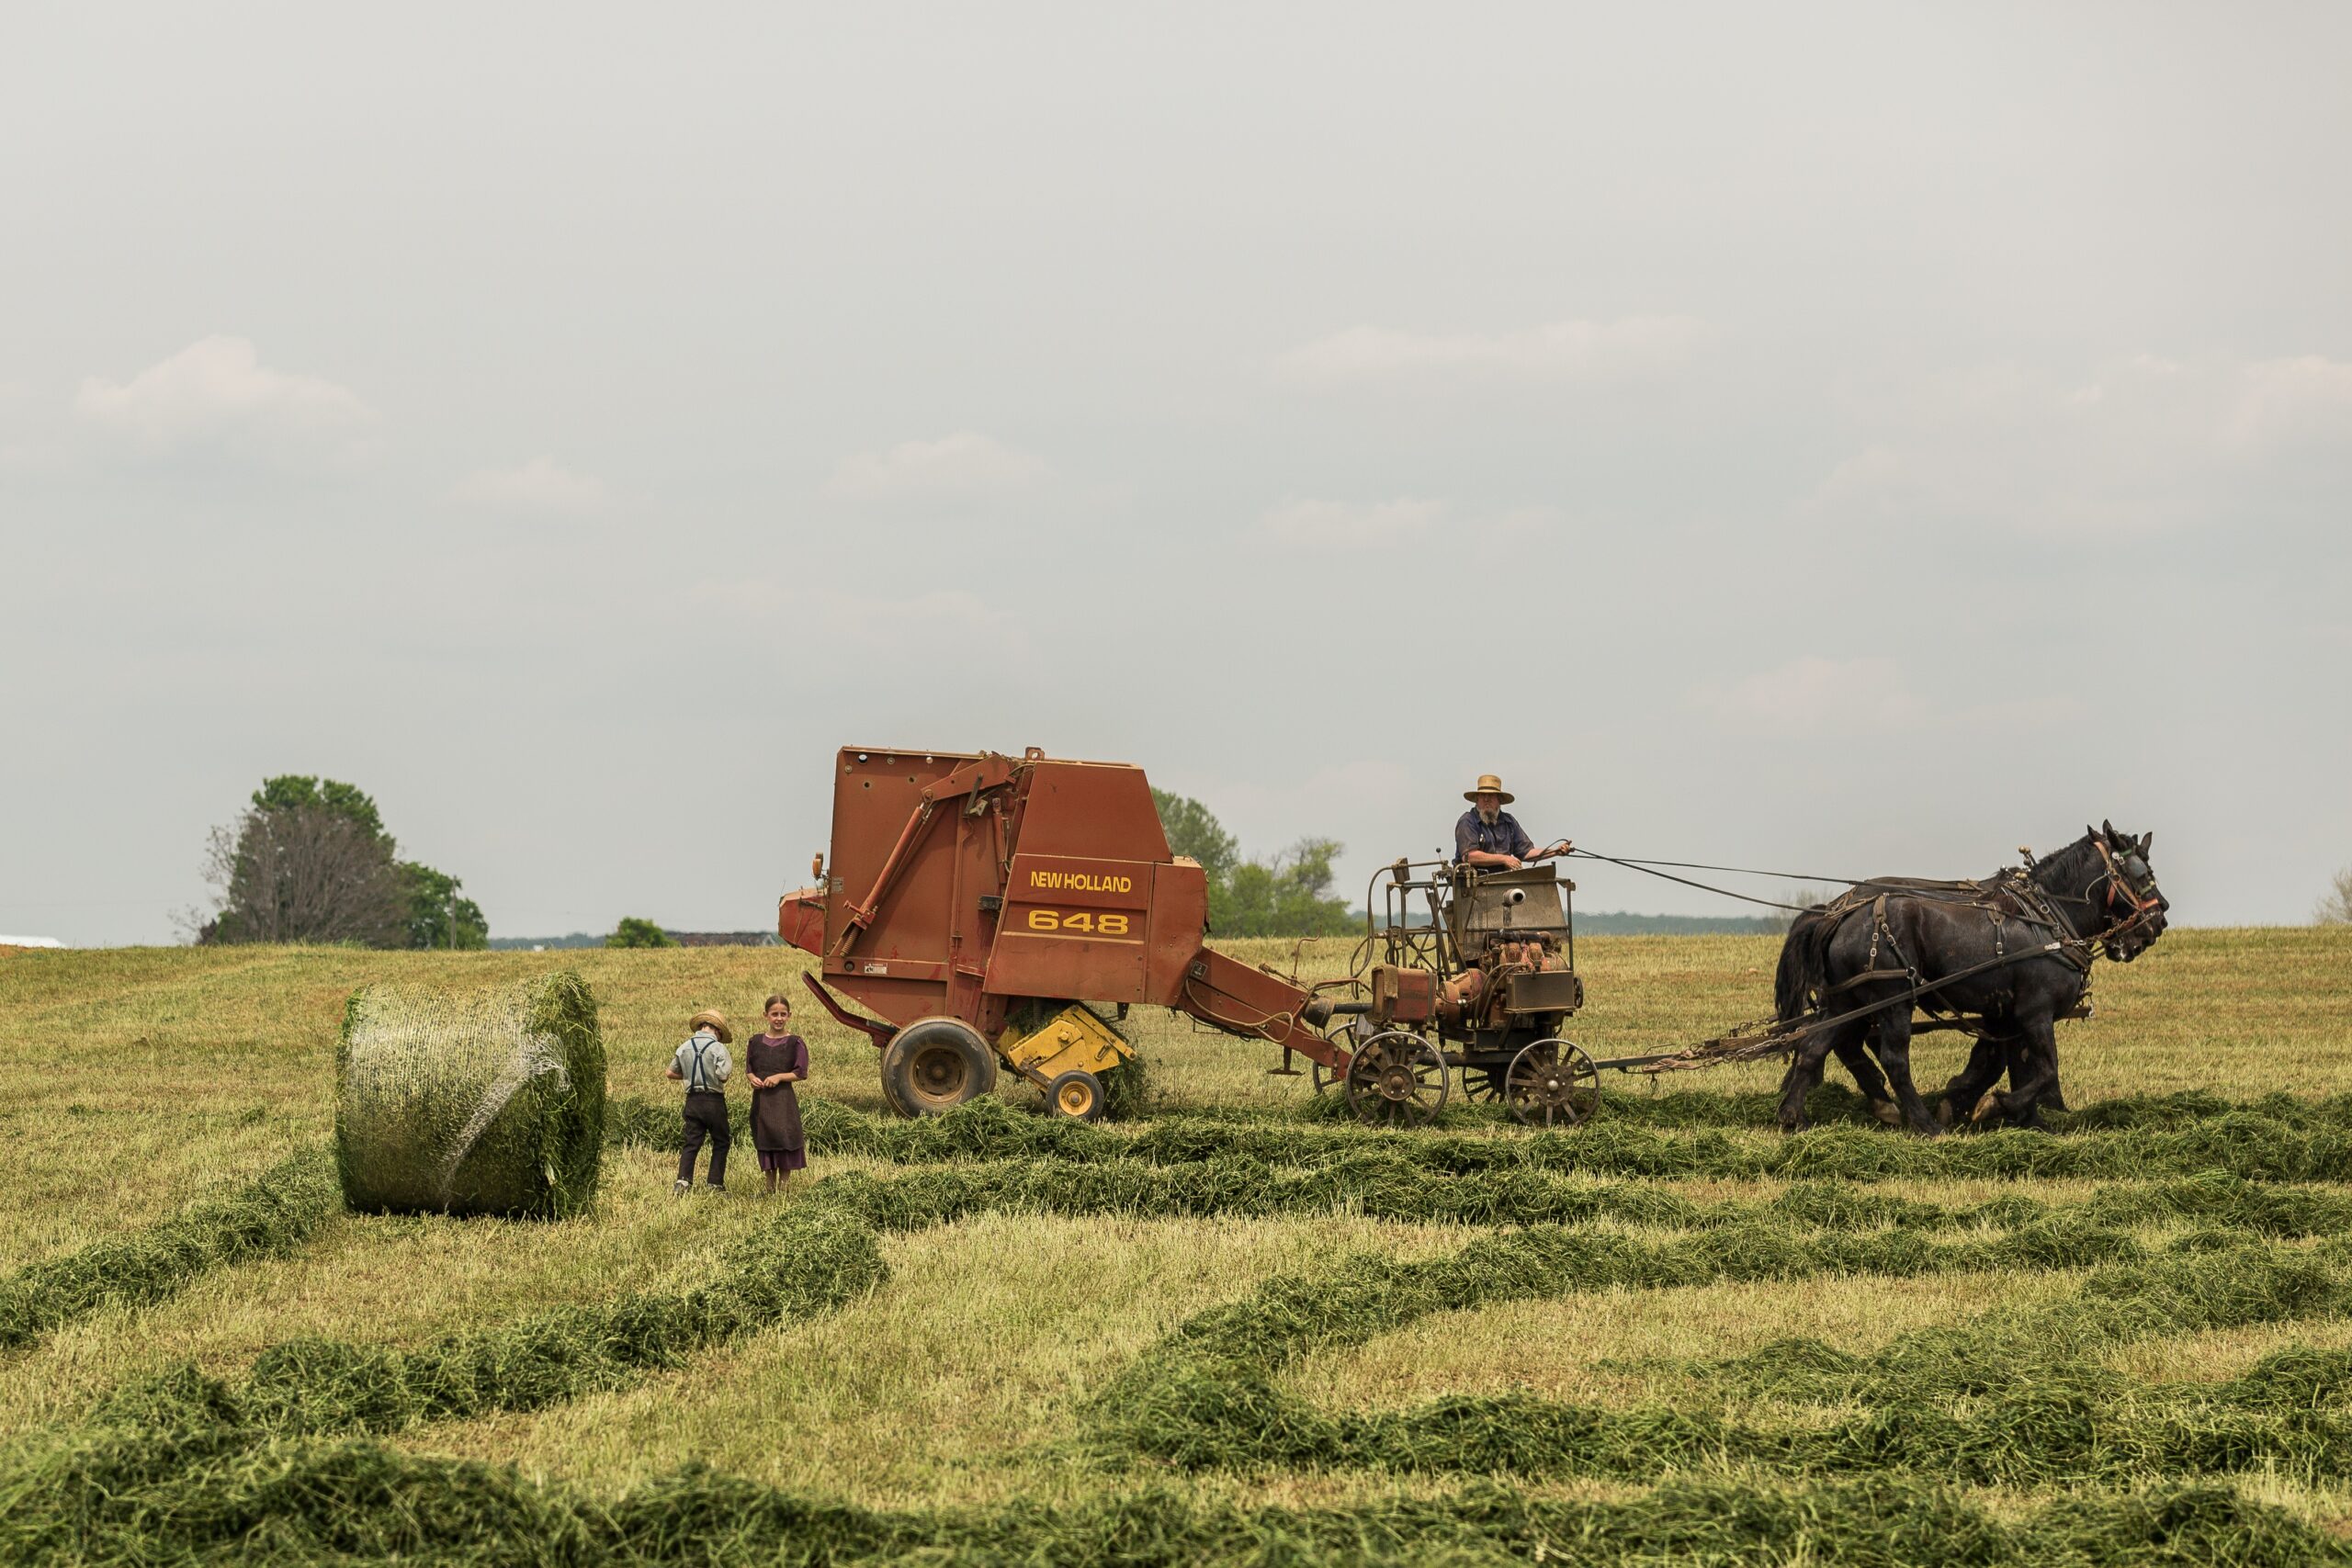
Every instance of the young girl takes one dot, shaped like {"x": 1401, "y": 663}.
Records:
{"x": 773, "y": 1063}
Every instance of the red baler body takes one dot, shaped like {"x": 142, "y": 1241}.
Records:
{"x": 965, "y": 884}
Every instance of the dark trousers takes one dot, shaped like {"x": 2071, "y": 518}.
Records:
{"x": 706, "y": 1118}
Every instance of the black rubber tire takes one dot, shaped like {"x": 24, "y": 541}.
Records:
{"x": 1077, "y": 1094}
{"x": 889, "y": 1095}
{"x": 934, "y": 1065}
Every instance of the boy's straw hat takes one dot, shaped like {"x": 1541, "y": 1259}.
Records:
{"x": 1488, "y": 782}
{"x": 717, "y": 1022}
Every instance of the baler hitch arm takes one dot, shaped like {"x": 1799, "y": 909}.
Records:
{"x": 1256, "y": 1005}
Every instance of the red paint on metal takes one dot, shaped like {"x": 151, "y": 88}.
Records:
{"x": 878, "y": 1032}
{"x": 962, "y": 884}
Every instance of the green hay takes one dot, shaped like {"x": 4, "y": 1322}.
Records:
{"x": 481, "y": 1102}
{"x": 1832, "y": 1106}
{"x": 1126, "y": 1090}
{"x": 274, "y": 1213}
{"x": 809, "y": 1259}
{"x": 187, "y": 1465}
{"x": 823, "y": 1251}
{"x": 213, "y": 1494}
{"x": 2251, "y": 1144}
{"x": 2015, "y": 1398}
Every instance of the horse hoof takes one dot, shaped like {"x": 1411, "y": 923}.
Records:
{"x": 1886, "y": 1111}
{"x": 1793, "y": 1127}
{"x": 1943, "y": 1110}
{"x": 1987, "y": 1106}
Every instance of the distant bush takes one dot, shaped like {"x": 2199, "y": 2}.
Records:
{"x": 634, "y": 933}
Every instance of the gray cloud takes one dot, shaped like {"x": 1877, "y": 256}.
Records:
{"x": 1572, "y": 351}
{"x": 963, "y": 464}
{"x": 542, "y": 485}
{"x": 216, "y": 395}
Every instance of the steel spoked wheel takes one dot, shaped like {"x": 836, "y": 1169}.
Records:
{"x": 1552, "y": 1084}
{"x": 1396, "y": 1080}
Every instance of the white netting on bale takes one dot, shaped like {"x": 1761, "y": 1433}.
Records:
{"x": 487, "y": 1101}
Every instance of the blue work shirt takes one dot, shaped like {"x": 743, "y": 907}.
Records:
{"x": 1506, "y": 837}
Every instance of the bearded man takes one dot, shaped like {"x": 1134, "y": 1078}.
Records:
{"x": 1489, "y": 837}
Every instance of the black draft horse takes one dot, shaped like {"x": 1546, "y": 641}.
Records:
{"x": 1987, "y": 942}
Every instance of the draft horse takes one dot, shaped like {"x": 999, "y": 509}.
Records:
{"x": 2004, "y": 958}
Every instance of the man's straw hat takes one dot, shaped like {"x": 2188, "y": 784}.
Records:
{"x": 717, "y": 1022}
{"x": 1488, "y": 782}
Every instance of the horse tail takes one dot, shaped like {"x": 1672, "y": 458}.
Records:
{"x": 1800, "y": 971}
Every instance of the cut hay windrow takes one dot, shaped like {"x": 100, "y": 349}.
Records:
{"x": 2011, "y": 1399}
{"x": 823, "y": 1251}
{"x": 807, "y": 1261}
{"x": 2243, "y": 1143}
{"x": 1370, "y": 1294}
{"x": 2058, "y": 1429}
{"x": 490, "y": 1102}
{"x": 1757, "y": 1110}
{"x": 274, "y": 1213}
{"x": 208, "y": 1493}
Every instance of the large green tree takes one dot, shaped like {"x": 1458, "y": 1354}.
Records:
{"x": 1193, "y": 831}
{"x": 310, "y": 861}
{"x": 1289, "y": 894}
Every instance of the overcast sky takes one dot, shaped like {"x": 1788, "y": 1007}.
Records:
{"x": 1854, "y": 439}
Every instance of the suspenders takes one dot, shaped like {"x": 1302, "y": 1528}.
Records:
{"x": 696, "y": 1081}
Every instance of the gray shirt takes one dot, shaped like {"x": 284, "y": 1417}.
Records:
{"x": 703, "y": 1063}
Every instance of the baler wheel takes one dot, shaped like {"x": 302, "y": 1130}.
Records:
{"x": 1077, "y": 1094}
{"x": 934, "y": 1065}
{"x": 1397, "y": 1080}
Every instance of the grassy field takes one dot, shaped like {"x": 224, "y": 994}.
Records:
{"x": 1110, "y": 1351}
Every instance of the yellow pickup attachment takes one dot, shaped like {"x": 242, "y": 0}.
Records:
{"x": 1067, "y": 1058}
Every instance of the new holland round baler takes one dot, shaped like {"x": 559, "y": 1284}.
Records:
{"x": 977, "y": 909}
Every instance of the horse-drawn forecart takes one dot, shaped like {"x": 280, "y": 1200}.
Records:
{"x": 995, "y": 910}
{"x": 1483, "y": 987}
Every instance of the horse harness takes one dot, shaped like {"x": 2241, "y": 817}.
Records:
{"x": 1998, "y": 902}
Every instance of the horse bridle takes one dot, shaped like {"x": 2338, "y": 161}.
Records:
{"x": 2146, "y": 902}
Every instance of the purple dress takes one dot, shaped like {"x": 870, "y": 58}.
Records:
{"x": 776, "y": 1112}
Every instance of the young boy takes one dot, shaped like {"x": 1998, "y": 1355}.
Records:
{"x": 703, "y": 1066}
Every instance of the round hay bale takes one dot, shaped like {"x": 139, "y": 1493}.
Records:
{"x": 488, "y": 1102}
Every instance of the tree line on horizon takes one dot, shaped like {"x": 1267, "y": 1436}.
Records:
{"x": 310, "y": 859}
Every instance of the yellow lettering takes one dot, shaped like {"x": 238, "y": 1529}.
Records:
{"x": 1082, "y": 881}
